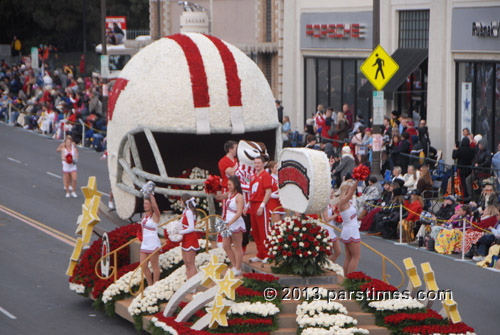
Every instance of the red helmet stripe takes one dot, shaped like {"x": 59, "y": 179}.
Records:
{"x": 233, "y": 81}
{"x": 118, "y": 87}
{"x": 199, "y": 82}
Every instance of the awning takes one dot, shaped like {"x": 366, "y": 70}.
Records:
{"x": 408, "y": 60}
{"x": 259, "y": 47}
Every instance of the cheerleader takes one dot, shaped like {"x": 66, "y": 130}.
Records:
{"x": 150, "y": 240}
{"x": 69, "y": 156}
{"x": 350, "y": 228}
{"x": 234, "y": 205}
{"x": 276, "y": 211}
{"x": 189, "y": 244}
{"x": 328, "y": 223}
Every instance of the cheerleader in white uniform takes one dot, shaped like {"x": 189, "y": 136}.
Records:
{"x": 69, "y": 156}
{"x": 328, "y": 224}
{"x": 234, "y": 205}
{"x": 350, "y": 227}
{"x": 150, "y": 240}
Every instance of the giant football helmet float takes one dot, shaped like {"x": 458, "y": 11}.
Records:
{"x": 174, "y": 106}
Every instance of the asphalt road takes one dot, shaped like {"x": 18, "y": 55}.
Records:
{"x": 34, "y": 292}
{"x": 34, "y": 287}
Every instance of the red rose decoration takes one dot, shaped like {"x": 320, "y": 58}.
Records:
{"x": 361, "y": 172}
{"x": 212, "y": 184}
{"x": 69, "y": 158}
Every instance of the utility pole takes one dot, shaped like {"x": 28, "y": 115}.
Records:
{"x": 104, "y": 53}
{"x": 84, "y": 35}
{"x": 377, "y": 131}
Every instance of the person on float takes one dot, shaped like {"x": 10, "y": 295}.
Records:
{"x": 350, "y": 227}
{"x": 329, "y": 217}
{"x": 189, "y": 244}
{"x": 276, "y": 211}
{"x": 150, "y": 240}
{"x": 227, "y": 167}
{"x": 69, "y": 157}
{"x": 234, "y": 204}
{"x": 260, "y": 193}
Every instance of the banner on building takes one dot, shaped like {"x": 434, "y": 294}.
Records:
{"x": 466, "y": 105}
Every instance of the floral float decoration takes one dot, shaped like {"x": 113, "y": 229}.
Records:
{"x": 212, "y": 184}
{"x": 398, "y": 311}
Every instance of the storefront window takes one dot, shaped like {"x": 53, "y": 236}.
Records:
{"x": 497, "y": 110}
{"x": 310, "y": 89}
{"x": 484, "y": 101}
{"x": 323, "y": 82}
{"x": 348, "y": 84}
{"x": 362, "y": 99}
{"x": 336, "y": 84}
{"x": 477, "y": 104}
{"x": 333, "y": 83}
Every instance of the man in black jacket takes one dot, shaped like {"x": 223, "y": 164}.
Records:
{"x": 464, "y": 156}
{"x": 447, "y": 209}
{"x": 482, "y": 160}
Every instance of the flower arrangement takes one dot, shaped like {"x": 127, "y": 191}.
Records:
{"x": 84, "y": 273}
{"x": 250, "y": 313}
{"x": 325, "y": 317}
{"x": 194, "y": 173}
{"x": 298, "y": 246}
{"x": 398, "y": 312}
{"x": 162, "y": 290}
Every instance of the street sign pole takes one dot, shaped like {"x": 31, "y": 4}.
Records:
{"x": 376, "y": 127}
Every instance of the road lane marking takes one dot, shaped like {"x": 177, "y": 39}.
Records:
{"x": 53, "y": 175}
{"x": 13, "y": 160}
{"x": 4, "y": 311}
{"x": 40, "y": 226}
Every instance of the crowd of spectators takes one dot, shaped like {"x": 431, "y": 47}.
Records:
{"x": 53, "y": 101}
{"x": 436, "y": 199}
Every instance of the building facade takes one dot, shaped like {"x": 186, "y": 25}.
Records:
{"x": 255, "y": 26}
{"x": 448, "y": 54}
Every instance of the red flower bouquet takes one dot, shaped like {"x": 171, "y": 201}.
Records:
{"x": 452, "y": 328}
{"x": 212, "y": 184}
{"x": 69, "y": 158}
{"x": 361, "y": 172}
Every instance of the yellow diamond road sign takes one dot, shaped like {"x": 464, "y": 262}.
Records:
{"x": 379, "y": 68}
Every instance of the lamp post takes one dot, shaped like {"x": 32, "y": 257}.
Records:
{"x": 377, "y": 131}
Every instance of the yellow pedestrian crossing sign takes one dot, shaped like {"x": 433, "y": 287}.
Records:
{"x": 379, "y": 68}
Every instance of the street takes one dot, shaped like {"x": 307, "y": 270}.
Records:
{"x": 34, "y": 293}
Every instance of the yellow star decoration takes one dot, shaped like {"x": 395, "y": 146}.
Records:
{"x": 218, "y": 313}
{"x": 74, "y": 256}
{"x": 212, "y": 271}
{"x": 228, "y": 285}
{"x": 90, "y": 219}
{"x": 90, "y": 191}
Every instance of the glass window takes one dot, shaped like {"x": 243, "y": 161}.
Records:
{"x": 348, "y": 84}
{"x": 362, "y": 96}
{"x": 497, "y": 110}
{"x": 310, "y": 88}
{"x": 414, "y": 29}
{"x": 336, "y": 84}
{"x": 484, "y": 101}
{"x": 323, "y": 82}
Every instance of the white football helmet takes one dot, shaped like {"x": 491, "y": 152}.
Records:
{"x": 173, "y": 107}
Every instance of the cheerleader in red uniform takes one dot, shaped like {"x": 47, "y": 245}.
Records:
{"x": 150, "y": 240}
{"x": 329, "y": 217}
{"x": 189, "y": 244}
{"x": 276, "y": 211}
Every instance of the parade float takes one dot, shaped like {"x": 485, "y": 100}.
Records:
{"x": 173, "y": 107}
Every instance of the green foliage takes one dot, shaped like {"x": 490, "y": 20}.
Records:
{"x": 60, "y": 22}
{"x": 138, "y": 323}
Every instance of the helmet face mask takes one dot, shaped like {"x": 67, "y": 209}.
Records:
{"x": 176, "y": 153}
{"x": 175, "y": 104}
